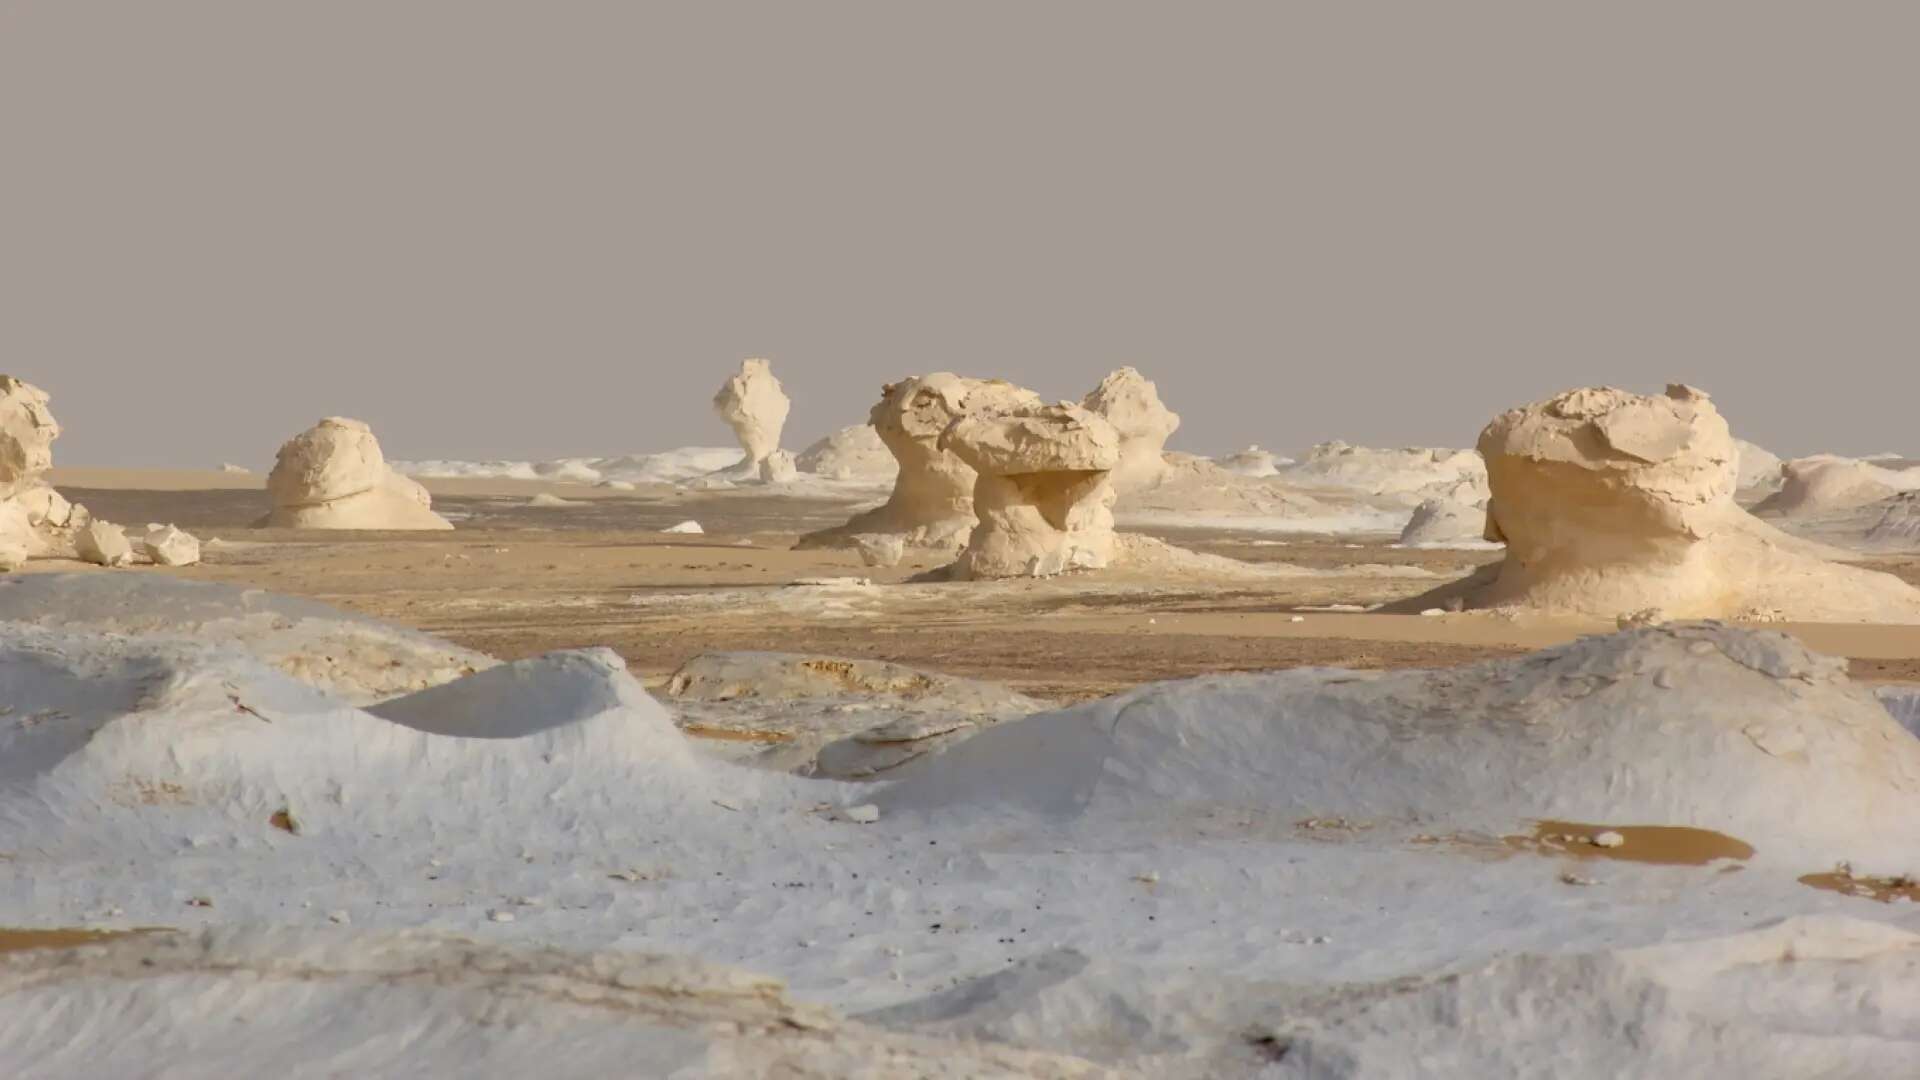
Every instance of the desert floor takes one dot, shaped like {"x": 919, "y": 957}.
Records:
{"x": 516, "y": 580}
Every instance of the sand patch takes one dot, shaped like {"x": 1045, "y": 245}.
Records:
{"x": 1660, "y": 845}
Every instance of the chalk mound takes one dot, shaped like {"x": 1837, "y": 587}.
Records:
{"x": 1409, "y": 475}
{"x": 348, "y": 656}
{"x": 1826, "y": 483}
{"x": 1254, "y": 462}
{"x": 1898, "y": 527}
{"x": 397, "y": 1004}
{"x": 1611, "y": 502}
{"x": 1131, "y": 403}
{"x": 931, "y": 505}
{"x": 852, "y": 453}
{"x": 333, "y": 476}
{"x": 1043, "y": 495}
{"x": 1701, "y": 726}
{"x": 1443, "y": 523}
{"x": 1758, "y": 470}
{"x": 833, "y": 716}
{"x": 1713, "y": 1007}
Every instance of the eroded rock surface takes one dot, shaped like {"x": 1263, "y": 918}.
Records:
{"x": 1044, "y": 493}
{"x": 333, "y": 476}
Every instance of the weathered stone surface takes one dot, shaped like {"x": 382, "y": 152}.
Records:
{"x": 166, "y": 545}
{"x": 333, "y": 476}
{"x": 1131, "y": 403}
{"x": 103, "y": 544}
{"x": 931, "y": 505}
{"x": 755, "y": 407}
{"x": 1044, "y": 493}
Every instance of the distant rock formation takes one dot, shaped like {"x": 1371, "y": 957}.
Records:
{"x": 1253, "y": 462}
{"x": 1131, "y": 403}
{"x": 852, "y": 453}
{"x": 755, "y": 407}
{"x": 1612, "y": 503}
{"x": 1411, "y": 474}
{"x": 1759, "y": 469}
{"x": 1044, "y": 493}
{"x": 1825, "y": 483}
{"x": 333, "y": 476}
{"x": 1444, "y": 522}
{"x": 932, "y": 501}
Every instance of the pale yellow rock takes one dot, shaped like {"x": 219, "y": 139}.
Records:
{"x": 1612, "y": 503}
{"x": 852, "y": 453}
{"x": 755, "y": 407}
{"x": 1825, "y": 482}
{"x": 931, "y": 505}
{"x": 1131, "y": 403}
{"x": 103, "y": 545}
{"x": 1043, "y": 494}
{"x": 27, "y": 432}
{"x": 166, "y": 545}
{"x": 333, "y": 476}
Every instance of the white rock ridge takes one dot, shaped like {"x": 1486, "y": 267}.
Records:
{"x": 1131, "y": 403}
{"x": 852, "y": 453}
{"x": 1044, "y": 491}
{"x": 1444, "y": 522}
{"x": 1825, "y": 483}
{"x": 1612, "y": 502}
{"x": 755, "y": 407}
{"x": 931, "y": 505}
{"x": 333, "y": 476}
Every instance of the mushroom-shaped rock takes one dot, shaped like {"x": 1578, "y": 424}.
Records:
{"x": 168, "y": 546}
{"x": 103, "y": 544}
{"x": 932, "y": 501}
{"x": 852, "y": 453}
{"x": 1131, "y": 403}
{"x": 755, "y": 407}
{"x": 333, "y": 476}
{"x": 1612, "y": 502}
{"x": 1444, "y": 523}
{"x": 1044, "y": 493}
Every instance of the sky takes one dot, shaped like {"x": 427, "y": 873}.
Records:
{"x": 551, "y": 229}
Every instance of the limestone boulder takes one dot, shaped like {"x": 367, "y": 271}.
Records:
{"x": 333, "y": 476}
{"x": 27, "y": 431}
{"x": 1444, "y": 523}
{"x": 1131, "y": 403}
{"x": 1043, "y": 492}
{"x": 931, "y": 505}
{"x": 103, "y": 545}
{"x": 165, "y": 545}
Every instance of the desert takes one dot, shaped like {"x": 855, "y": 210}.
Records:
{"x": 922, "y": 542}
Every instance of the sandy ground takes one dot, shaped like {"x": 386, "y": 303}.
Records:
{"x": 516, "y": 581}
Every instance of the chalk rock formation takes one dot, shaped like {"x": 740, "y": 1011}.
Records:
{"x": 1825, "y": 483}
{"x": 1612, "y": 502}
{"x": 27, "y": 431}
{"x": 1131, "y": 403}
{"x": 932, "y": 501}
{"x": 333, "y": 476}
{"x": 852, "y": 453}
{"x": 103, "y": 544}
{"x": 1899, "y": 524}
{"x": 1759, "y": 469}
{"x": 1252, "y": 461}
{"x": 755, "y": 407}
{"x": 1412, "y": 474}
{"x": 1044, "y": 493}
{"x": 1443, "y": 523}
{"x": 168, "y": 546}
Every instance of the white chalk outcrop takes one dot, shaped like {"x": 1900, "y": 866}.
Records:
{"x": 35, "y": 521}
{"x": 755, "y": 407}
{"x": 1409, "y": 475}
{"x": 1759, "y": 468}
{"x": 931, "y": 505}
{"x": 333, "y": 476}
{"x": 852, "y": 453}
{"x": 165, "y": 545}
{"x": 1044, "y": 491}
{"x": 1827, "y": 483}
{"x": 1611, "y": 503}
{"x": 1253, "y": 462}
{"x": 1131, "y": 403}
{"x": 1445, "y": 523}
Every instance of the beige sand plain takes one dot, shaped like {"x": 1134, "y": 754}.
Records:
{"x": 516, "y": 580}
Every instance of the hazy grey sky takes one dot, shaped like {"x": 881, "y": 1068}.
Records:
{"x": 551, "y": 228}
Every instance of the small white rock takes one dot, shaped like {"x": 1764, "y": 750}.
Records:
{"x": 1298, "y": 618}
{"x": 1608, "y": 839}
{"x": 500, "y": 916}
{"x": 340, "y": 917}
{"x": 1434, "y": 611}
{"x": 864, "y": 814}
{"x": 685, "y": 527}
